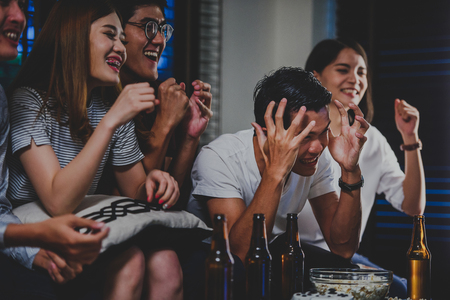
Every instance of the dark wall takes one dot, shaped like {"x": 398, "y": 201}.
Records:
{"x": 408, "y": 43}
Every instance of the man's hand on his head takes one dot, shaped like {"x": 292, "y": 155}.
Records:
{"x": 346, "y": 147}
{"x": 280, "y": 146}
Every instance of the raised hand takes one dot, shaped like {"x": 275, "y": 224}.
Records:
{"x": 58, "y": 235}
{"x": 280, "y": 146}
{"x": 199, "y": 112}
{"x": 133, "y": 99}
{"x": 406, "y": 118}
{"x": 173, "y": 103}
{"x": 162, "y": 187}
{"x": 346, "y": 147}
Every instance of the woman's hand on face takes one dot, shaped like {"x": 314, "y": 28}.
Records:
{"x": 133, "y": 99}
{"x": 406, "y": 118}
{"x": 162, "y": 187}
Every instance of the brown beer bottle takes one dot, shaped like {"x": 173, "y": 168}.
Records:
{"x": 219, "y": 263}
{"x": 291, "y": 260}
{"x": 419, "y": 262}
{"x": 258, "y": 262}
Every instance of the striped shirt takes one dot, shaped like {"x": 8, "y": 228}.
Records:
{"x": 27, "y": 123}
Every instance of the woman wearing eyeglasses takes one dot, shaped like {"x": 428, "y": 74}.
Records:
{"x": 63, "y": 134}
{"x": 170, "y": 135}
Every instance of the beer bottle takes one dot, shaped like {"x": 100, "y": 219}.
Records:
{"x": 219, "y": 263}
{"x": 258, "y": 262}
{"x": 291, "y": 260}
{"x": 419, "y": 262}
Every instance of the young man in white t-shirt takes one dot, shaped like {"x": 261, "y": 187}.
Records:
{"x": 276, "y": 170}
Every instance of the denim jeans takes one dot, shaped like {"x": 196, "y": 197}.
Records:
{"x": 18, "y": 282}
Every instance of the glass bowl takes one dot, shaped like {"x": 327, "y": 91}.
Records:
{"x": 363, "y": 284}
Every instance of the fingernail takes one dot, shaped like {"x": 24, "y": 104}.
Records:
{"x": 197, "y": 92}
{"x": 157, "y": 196}
{"x": 161, "y": 201}
{"x": 148, "y": 199}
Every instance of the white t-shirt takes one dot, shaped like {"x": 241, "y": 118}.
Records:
{"x": 226, "y": 168}
{"x": 382, "y": 174}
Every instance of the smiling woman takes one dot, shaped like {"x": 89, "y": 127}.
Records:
{"x": 63, "y": 132}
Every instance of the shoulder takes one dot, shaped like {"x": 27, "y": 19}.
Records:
{"x": 27, "y": 96}
{"x": 228, "y": 145}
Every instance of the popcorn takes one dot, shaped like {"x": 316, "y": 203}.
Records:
{"x": 359, "y": 292}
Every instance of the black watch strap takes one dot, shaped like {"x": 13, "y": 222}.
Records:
{"x": 351, "y": 187}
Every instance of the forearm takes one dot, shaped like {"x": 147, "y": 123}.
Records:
{"x": 70, "y": 184}
{"x": 346, "y": 223}
{"x": 155, "y": 148}
{"x": 414, "y": 184}
{"x": 17, "y": 235}
{"x": 182, "y": 163}
{"x": 265, "y": 201}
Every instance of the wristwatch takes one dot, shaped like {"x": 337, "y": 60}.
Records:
{"x": 351, "y": 187}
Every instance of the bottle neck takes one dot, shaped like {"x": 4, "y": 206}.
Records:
{"x": 220, "y": 237}
{"x": 292, "y": 233}
{"x": 419, "y": 238}
{"x": 259, "y": 237}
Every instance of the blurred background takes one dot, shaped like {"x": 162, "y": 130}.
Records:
{"x": 232, "y": 43}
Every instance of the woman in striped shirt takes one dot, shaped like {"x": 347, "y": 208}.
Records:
{"x": 64, "y": 133}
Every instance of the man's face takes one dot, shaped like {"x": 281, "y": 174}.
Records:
{"x": 314, "y": 144}
{"x": 143, "y": 55}
{"x": 12, "y": 23}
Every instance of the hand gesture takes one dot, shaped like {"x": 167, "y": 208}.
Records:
{"x": 199, "y": 112}
{"x": 173, "y": 103}
{"x": 346, "y": 147}
{"x": 162, "y": 187}
{"x": 133, "y": 99}
{"x": 406, "y": 118}
{"x": 280, "y": 147}
{"x": 59, "y": 269}
{"x": 58, "y": 234}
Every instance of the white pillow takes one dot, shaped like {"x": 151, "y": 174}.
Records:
{"x": 125, "y": 217}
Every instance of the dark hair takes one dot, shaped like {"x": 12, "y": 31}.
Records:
{"x": 127, "y": 8}
{"x": 59, "y": 63}
{"x": 326, "y": 51}
{"x": 299, "y": 87}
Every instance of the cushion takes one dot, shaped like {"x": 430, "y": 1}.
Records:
{"x": 126, "y": 218}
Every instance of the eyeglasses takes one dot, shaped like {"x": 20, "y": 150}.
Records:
{"x": 151, "y": 29}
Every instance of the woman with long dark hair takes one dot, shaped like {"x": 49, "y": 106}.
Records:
{"x": 341, "y": 66}
{"x": 64, "y": 132}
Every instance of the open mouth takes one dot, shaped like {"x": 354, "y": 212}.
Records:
{"x": 114, "y": 63}
{"x": 151, "y": 55}
{"x": 350, "y": 91}
{"x": 12, "y": 35}
{"x": 309, "y": 161}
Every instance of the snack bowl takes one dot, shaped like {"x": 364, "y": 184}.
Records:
{"x": 362, "y": 284}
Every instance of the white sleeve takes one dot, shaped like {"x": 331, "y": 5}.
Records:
{"x": 391, "y": 181}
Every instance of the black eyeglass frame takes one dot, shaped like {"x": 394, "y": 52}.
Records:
{"x": 161, "y": 27}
